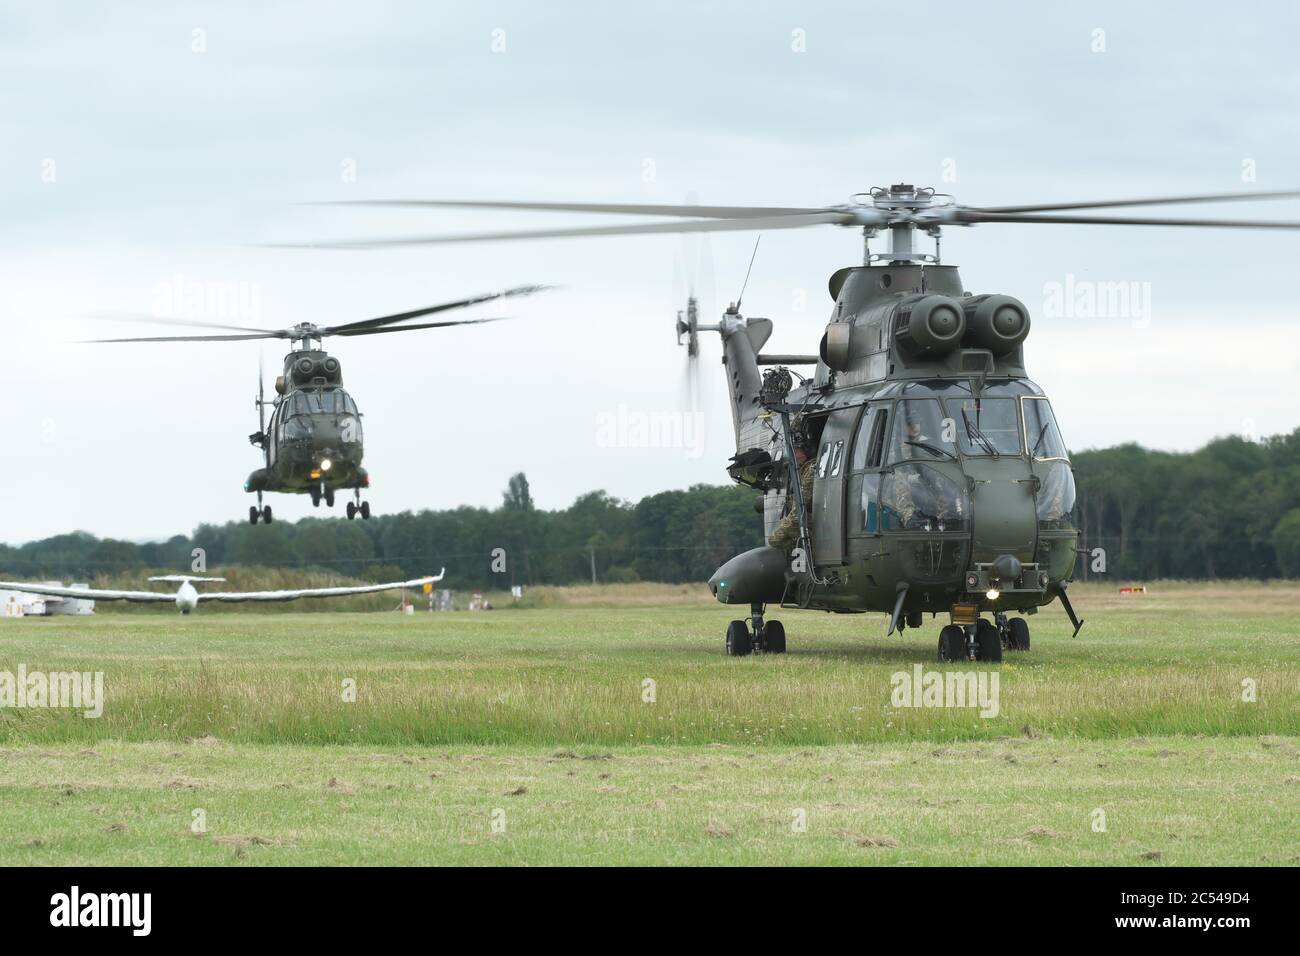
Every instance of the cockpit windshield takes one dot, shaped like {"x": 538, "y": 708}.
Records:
{"x": 989, "y": 427}
{"x": 1042, "y": 437}
{"x": 921, "y": 433}
{"x": 329, "y": 401}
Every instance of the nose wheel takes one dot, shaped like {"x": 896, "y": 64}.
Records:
{"x": 259, "y": 512}
{"x": 981, "y": 641}
{"x": 746, "y": 637}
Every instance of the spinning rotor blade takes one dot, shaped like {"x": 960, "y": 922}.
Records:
{"x": 796, "y": 221}
{"x": 261, "y": 396}
{"x": 978, "y": 217}
{"x": 354, "y": 327}
{"x": 191, "y": 338}
{"x": 1163, "y": 201}
{"x": 682, "y": 209}
{"x": 171, "y": 320}
{"x": 418, "y": 325}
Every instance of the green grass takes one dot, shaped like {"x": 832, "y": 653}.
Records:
{"x": 1017, "y": 801}
{"x": 243, "y": 716}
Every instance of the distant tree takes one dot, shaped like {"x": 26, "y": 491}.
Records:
{"x": 1286, "y": 543}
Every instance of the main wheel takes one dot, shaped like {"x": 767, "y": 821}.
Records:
{"x": 738, "y": 643}
{"x": 352, "y": 510}
{"x": 1018, "y": 632}
{"x": 365, "y": 511}
{"x": 952, "y": 643}
{"x": 266, "y": 513}
{"x": 774, "y": 637}
{"x": 988, "y": 642}
{"x": 253, "y": 514}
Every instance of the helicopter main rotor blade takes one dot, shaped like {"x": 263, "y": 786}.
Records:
{"x": 419, "y": 325}
{"x": 629, "y": 229}
{"x": 172, "y": 320}
{"x": 974, "y": 218}
{"x": 632, "y": 209}
{"x": 1162, "y": 201}
{"x": 190, "y": 338}
{"x": 416, "y": 313}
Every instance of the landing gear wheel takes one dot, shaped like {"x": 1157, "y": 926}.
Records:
{"x": 988, "y": 642}
{"x": 266, "y": 513}
{"x": 774, "y": 637}
{"x": 352, "y": 511}
{"x": 738, "y": 642}
{"x": 253, "y": 514}
{"x": 952, "y": 643}
{"x": 315, "y": 497}
{"x": 365, "y": 511}
{"x": 1018, "y": 633}
{"x": 329, "y": 497}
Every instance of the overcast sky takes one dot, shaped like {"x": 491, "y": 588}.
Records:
{"x": 149, "y": 148}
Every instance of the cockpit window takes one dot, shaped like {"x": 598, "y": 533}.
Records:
{"x": 331, "y": 401}
{"x": 989, "y": 427}
{"x": 1042, "y": 437}
{"x": 921, "y": 433}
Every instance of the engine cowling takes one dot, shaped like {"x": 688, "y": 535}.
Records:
{"x": 998, "y": 323}
{"x": 930, "y": 325}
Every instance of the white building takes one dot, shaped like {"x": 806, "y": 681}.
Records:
{"x": 22, "y": 604}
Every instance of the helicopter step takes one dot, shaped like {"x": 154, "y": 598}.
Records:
{"x": 984, "y": 640}
{"x": 747, "y": 637}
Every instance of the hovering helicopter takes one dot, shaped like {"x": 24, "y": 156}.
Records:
{"x": 314, "y": 443}
{"x": 942, "y": 483}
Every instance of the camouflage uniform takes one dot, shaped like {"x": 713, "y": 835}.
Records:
{"x": 786, "y": 535}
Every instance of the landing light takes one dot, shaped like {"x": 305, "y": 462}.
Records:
{"x": 325, "y": 464}
{"x": 993, "y": 594}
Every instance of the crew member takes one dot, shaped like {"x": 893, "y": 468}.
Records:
{"x": 786, "y": 535}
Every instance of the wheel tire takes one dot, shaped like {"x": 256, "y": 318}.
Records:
{"x": 774, "y": 637}
{"x": 329, "y": 497}
{"x": 266, "y": 514}
{"x": 988, "y": 642}
{"x": 952, "y": 643}
{"x": 253, "y": 514}
{"x": 365, "y": 511}
{"x": 1018, "y": 632}
{"x": 315, "y": 497}
{"x": 738, "y": 642}
{"x": 352, "y": 511}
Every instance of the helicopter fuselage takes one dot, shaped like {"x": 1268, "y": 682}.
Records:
{"x": 942, "y": 483}
{"x": 312, "y": 443}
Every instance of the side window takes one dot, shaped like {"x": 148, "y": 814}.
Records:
{"x": 823, "y": 460}
{"x": 879, "y": 430}
{"x": 862, "y": 506}
{"x": 862, "y": 439}
{"x": 837, "y": 458}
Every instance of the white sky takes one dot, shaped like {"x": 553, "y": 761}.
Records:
{"x": 169, "y": 164}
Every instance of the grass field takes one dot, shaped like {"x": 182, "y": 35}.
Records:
{"x": 525, "y": 736}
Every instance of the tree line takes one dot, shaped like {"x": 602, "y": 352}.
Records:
{"x": 1230, "y": 509}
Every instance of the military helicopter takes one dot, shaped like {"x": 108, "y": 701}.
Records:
{"x": 942, "y": 482}
{"x": 314, "y": 443}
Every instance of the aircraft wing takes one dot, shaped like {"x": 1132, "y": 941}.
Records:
{"x": 88, "y": 593}
{"x": 238, "y": 596}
